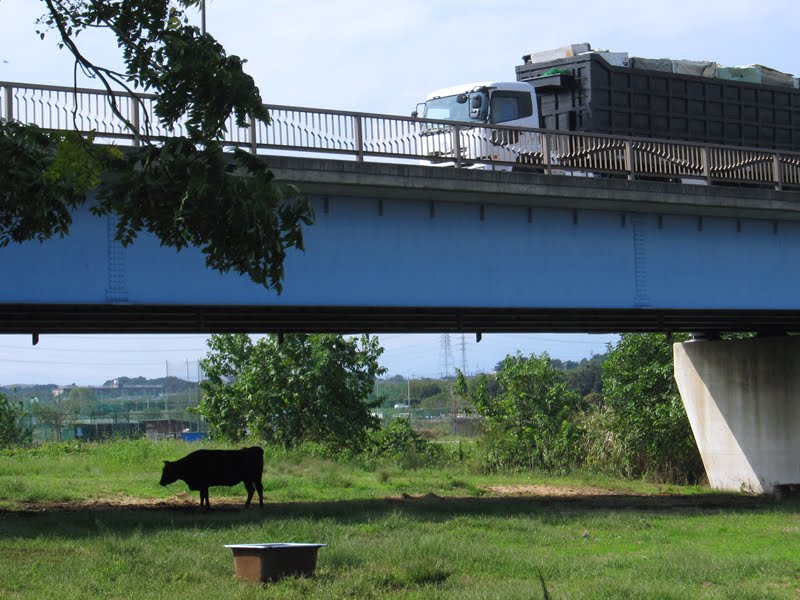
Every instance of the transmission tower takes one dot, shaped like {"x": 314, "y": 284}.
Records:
{"x": 446, "y": 356}
{"x": 447, "y": 363}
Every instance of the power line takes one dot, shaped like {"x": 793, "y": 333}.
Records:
{"x": 101, "y": 350}
{"x": 83, "y": 363}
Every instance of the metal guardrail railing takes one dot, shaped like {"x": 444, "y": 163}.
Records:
{"x": 365, "y": 136}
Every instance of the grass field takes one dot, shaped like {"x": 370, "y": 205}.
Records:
{"x": 91, "y": 522}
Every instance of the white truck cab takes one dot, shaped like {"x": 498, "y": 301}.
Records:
{"x": 511, "y": 104}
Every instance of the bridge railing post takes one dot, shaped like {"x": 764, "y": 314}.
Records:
{"x": 777, "y": 172}
{"x": 136, "y": 122}
{"x": 629, "y": 166}
{"x": 546, "y": 158}
{"x": 253, "y": 136}
{"x": 359, "y": 132}
{"x": 705, "y": 160}
{"x": 8, "y": 100}
{"x": 457, "y": 145}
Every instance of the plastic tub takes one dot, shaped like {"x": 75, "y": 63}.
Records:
{"x": 273, "y": 561}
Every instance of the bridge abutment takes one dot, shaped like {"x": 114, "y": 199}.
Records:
{"x": 741, "y": 397}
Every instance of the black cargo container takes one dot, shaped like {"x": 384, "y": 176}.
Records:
{"x": 586, "y": 93}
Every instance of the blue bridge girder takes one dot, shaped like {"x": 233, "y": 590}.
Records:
{"x": 407, "y": 248}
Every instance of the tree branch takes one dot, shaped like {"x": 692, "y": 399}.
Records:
{"x": 94, "y": 71}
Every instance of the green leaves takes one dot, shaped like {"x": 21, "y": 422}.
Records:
{"x": 190, "y": 72}
{"x": 227, "y": 204}
{"x": 646, "y": 415}
{"x": 186, "y": 190}
{"x": 11, "y": 433}
{"x": 307, "y": 388}
{"x": 529, "y": 422}
{"x": 45, "y": 176}
{"x": 204, "y": 85}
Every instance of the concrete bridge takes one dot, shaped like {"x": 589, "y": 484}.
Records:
{"x": 402, "y": 247}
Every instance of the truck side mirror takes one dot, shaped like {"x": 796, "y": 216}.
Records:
{"x": 475, "y": 104}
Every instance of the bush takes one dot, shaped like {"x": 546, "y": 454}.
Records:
{"x": 529, "y": 417}
{"x": 11, "y": 434}
{"x": 651, "y": 432}
{"x": 397, "y": 438}
{"x": 400, "y": 442}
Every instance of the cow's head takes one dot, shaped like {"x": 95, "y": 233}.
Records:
{"x": 169, "y": 474}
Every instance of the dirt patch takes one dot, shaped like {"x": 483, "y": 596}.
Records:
{"x": 553, "y": 490}
{"x": 519, "y": 497}
{"x": 584, "y": 497}
{"x": 533, "y": 491}
{"x": 178, "y": 501}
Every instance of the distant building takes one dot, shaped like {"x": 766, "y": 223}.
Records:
{"x": 115, "y": 390}
{"x": 101, "y": 428}
{"x": 160, "y": 429}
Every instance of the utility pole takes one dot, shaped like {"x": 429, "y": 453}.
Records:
{"x": 408, "y": 400}
{"x": 163, "y": 388}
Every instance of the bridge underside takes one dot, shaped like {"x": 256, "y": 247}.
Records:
{"x": 58, "y": 318}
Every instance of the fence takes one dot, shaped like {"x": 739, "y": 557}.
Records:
{"x": 93, "y": 425}
{"x": 360, "y": 136}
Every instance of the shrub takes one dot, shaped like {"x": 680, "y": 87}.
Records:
{"x": 529, "y": 420}
{"x": 651, "y": 432}
{"x": 401, "y": 443}
{"x": 11, "y": 434}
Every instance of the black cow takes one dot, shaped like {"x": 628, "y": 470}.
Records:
{"x": 204, "y": 468}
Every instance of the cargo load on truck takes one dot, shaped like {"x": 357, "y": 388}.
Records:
{"x": 598, "y": 91}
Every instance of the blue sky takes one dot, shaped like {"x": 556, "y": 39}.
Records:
{"x": 384, "y": 57}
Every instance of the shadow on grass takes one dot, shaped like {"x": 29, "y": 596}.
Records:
{"x": 79, "y": 520}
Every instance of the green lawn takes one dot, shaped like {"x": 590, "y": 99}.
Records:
{"x": 430, "y": 533}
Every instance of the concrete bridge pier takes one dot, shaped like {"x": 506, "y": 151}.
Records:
{"x": 743, "y": 402}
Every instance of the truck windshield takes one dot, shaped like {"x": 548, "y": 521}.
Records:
{"x": 448, "y": 108}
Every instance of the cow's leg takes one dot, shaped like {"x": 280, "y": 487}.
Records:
{"x": 204, "y": 497}
{"x": 260, "y": 489}
{"x": 250, "y": 489}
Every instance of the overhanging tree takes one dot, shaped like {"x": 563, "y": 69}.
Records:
{"x": 186, "y": 190}
{"x": 303, "y": 388}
